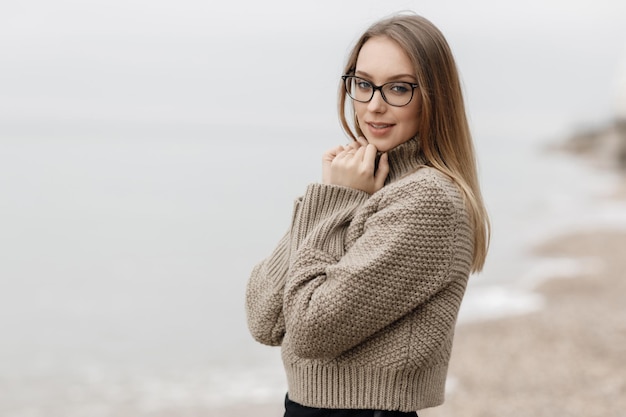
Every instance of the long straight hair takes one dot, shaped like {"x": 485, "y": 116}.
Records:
{"x": 443, "y": 131}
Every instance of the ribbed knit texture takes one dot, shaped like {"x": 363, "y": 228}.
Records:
{"x": 363, "y": 291}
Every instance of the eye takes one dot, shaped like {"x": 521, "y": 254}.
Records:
{"x": 363, "y": 84}
{"x": 399, "y": 88}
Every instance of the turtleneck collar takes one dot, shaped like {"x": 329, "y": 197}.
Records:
{"x": 404, "y": 159}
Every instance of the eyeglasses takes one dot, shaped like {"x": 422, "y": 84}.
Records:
{"x": 395, "y": 93}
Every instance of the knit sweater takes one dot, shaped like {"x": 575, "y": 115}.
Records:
{"x": 363, "y": 291}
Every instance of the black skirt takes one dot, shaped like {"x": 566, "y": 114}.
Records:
{"x": 293, "y": 409}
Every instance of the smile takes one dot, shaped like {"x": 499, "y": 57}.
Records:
{"x": 380, "y": 125}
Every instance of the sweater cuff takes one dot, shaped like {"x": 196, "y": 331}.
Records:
{"x": 278, "y": 264}
{"x": 322, "y": 210}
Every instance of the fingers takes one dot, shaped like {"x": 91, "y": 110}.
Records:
{"x": 362, "y": 141}
{"x": 352, "y": 152}
{"x": 355, "y": 168}
{"x": 330, "y": 154}
{"x": 369, "y": 157}
{"x": 327, "y": 160}
{"x": 369, "y": 161}
{"x": 357, "y": 143}
{"x": 348, "y": 149}
{"x": 335, "y": 150}
{"x": 352, "y": 145}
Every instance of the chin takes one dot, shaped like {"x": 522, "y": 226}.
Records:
{"x": 381, "y": 145}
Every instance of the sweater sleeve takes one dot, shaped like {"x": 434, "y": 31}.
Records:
{"x": 401, "y": 258}
{"x": 264, "y": 296}
{"x": 265, "y": 289}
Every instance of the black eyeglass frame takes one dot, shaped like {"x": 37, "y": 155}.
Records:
{"x": 377, "y": 88}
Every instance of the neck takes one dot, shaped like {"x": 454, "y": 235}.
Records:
{"x": 404, "y": 159}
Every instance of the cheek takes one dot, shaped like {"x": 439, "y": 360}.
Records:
{"x": 411, "y": 118}
{"x": 407, "y": 117}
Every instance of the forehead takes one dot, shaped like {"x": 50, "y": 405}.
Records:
{"x": 382, "y": 59}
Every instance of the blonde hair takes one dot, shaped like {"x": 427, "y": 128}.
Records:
{"x": 444, "y": 134}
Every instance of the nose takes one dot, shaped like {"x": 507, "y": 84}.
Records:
{"x": 377, "y": 103}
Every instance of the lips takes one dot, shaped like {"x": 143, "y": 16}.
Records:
{"x": 379, "y": 129}
{"x": 379, "y": 125}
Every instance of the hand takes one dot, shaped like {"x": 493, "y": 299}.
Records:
{"x": 353, "y": 166}
{"x": 331, "y": 154}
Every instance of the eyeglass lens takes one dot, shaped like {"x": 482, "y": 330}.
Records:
{"x": 394, "y": 93}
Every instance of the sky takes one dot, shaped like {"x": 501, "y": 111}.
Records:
{"x": 219, "y": 63}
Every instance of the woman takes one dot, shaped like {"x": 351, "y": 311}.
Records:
{"x": 363, "y": 291}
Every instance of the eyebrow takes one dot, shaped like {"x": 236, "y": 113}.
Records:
{"x": 395, "y": 77}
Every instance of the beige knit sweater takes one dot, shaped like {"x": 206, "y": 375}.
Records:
{"x": 363, "y": 291}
